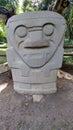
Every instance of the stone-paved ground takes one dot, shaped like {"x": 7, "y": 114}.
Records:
{"x": 53, "y": 112}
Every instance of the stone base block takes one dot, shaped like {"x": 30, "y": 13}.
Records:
{"x": 35, "y": 88}
{"x": 34, "y": 83}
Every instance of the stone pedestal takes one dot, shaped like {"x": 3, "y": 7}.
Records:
{"x": 35, "y": 50}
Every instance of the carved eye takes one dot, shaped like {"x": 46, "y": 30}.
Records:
{"x": 21, "y": 31}
{"x": 48, "y": 29}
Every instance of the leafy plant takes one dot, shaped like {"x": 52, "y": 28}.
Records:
{"x": 2, "y": 32}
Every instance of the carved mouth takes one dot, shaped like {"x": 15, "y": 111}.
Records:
{"x": 36, "y": 60}
{"x": 36, "y": 53}
{"x": 39, "y": 47}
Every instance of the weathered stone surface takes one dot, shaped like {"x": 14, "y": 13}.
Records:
{"x": 35, "y": 50}
{"x": 21, "y": 87}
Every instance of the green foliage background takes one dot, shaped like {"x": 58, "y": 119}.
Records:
{"x": 34, "y": 5}
{"x": 2, "y": 32}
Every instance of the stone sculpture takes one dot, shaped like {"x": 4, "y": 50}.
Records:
{"x": 35, "y": 50}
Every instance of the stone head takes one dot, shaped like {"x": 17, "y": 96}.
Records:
{"x": 36, "y": 36}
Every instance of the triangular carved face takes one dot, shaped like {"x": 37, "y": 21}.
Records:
{"x": 36, "y": 36}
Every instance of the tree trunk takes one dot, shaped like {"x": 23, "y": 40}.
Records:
{"x": 59, "y": 6}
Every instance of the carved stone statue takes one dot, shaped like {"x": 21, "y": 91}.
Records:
{"x": 35, "y": 50}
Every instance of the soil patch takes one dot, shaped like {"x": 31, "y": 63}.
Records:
{"x": 53, "y": 112}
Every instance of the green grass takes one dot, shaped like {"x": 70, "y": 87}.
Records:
{"x": 3, "y": 60}
{"x": 2, "y": 44}
{"x": 3, "y": 52}
{"x": 68, "y": 59}
{"x": 67, "y": 41}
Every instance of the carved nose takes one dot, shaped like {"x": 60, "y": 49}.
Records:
{"x": 35, "y": 40}
{"x": 36, "y": 44}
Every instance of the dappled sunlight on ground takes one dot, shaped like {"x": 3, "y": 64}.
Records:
{"x": 66, "y": 75}
{"x": 3, "y": 86}
{"x": 66, "y": 72}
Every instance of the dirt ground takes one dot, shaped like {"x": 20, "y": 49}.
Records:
{"x": 53, "y": 112}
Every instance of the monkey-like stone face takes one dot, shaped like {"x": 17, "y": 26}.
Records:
{"x": 36, "y": 36}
